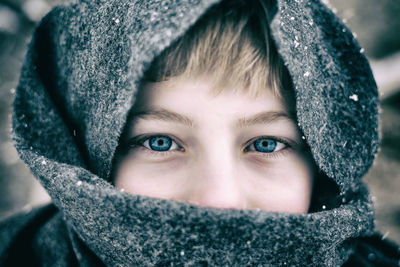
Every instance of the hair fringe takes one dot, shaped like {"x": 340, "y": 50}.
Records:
{"x": 231, "y": 44}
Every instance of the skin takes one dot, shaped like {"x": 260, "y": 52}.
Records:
{"x": 213, "y": 160}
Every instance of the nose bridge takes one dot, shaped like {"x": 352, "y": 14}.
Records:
{"x": 216, "y": 182}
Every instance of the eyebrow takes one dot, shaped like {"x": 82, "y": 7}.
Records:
{"x": 161, "y": 114}
{"x": 265, "y": 117}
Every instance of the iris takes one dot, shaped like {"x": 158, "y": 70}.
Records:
{"x": 265, "y": 145}
{"x": 160, "y": 143}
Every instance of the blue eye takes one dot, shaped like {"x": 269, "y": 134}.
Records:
{"x": 160, "y": 143}
{"x": 266, "y": 145}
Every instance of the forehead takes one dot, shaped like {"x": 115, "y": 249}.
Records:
{"x": 191, "y": 101}
{"x": 193, "y": 89}
{"x": 203, "y": 90}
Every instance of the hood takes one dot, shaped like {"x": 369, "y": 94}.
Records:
{"x": 78, "y": 83}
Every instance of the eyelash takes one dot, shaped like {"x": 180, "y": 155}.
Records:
{"x": 138, "y": 141}
{"x": 276, "y": 154}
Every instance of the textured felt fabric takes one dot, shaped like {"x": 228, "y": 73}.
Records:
{"x": 77, "y": 85}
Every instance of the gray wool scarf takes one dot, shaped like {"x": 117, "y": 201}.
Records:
{"x": 77, "y": 85}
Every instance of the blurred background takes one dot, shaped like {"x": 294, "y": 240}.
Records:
{"x": 375, "y": 23}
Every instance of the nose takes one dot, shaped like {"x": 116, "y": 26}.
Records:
{"x": 217, "y": 185}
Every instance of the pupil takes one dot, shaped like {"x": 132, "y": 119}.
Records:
{"x": 160, "y": 142}
{"x": 265, "y": 143}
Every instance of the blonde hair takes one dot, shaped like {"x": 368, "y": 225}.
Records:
{"x": 231, "y": 44}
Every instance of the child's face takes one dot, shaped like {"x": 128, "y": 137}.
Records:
{"x": 227, "y": 151}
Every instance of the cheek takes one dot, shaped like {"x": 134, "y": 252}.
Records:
{"x": 283, "y": 186}
{"x": 143, "y": 178}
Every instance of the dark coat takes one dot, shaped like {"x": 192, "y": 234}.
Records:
{"x": 77, "y": 85}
